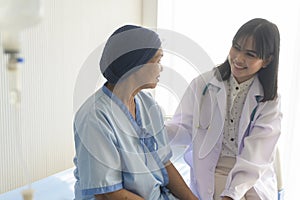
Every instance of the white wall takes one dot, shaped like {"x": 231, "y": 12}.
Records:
{"x": 54, "y": 53}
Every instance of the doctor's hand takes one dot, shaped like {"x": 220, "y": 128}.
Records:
{"x": 227, "y": 198}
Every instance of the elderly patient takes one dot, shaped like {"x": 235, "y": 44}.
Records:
{"x": 122, "y": 150}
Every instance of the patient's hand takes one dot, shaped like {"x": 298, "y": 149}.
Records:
{"x": 118, "y": 195}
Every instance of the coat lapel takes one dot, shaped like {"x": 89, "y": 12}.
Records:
{"x": 254, "y": 94}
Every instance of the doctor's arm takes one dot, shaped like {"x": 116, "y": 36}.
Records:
{"x": 180, "y": 127}
{"x": 259, "y": 147}
{"x": 177, "y": 185}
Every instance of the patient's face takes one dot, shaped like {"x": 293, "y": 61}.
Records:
{"x": 148, "y": 75}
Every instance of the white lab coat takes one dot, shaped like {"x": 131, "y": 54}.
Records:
{"x": 199, "y": 122}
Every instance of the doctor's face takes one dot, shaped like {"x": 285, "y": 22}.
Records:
{"x": 148, "y": 75}
{"x": 244, "y": 61}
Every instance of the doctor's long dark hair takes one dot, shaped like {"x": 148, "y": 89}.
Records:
{"x": 266, "y": 40}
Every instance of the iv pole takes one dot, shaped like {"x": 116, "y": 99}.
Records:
{"x": 15, "y": 16}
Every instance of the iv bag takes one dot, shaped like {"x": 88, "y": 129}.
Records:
{"x": 16, "y": 15}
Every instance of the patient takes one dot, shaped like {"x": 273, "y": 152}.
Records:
{"x": 122, "y": 151}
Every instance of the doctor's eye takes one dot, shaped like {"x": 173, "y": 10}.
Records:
{"x": 251, "y": 54}
{"x": 236, "y": 47}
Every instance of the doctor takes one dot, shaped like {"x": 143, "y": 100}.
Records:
{"x": 230, "y": 118}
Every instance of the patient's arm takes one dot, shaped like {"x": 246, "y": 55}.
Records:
{"x": 118, "y": 195}
{"x": 176, "y": 185}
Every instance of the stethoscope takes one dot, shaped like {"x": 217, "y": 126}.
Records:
{"x": 204, "y": 94}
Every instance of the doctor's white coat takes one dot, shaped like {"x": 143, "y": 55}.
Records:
{"x": 199, "y": 122}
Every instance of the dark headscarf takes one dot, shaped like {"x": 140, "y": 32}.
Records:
{"x": 127, "y": 48}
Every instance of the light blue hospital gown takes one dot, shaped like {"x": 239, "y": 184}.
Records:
{"x": 114, "y": 151}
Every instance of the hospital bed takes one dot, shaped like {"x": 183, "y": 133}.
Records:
{"x": 60, "y": 186}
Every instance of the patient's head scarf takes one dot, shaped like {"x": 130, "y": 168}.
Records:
{"x": 129, "y": 47}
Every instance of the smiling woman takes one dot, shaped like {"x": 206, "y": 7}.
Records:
{"x": 210, "y": 32}
{"x": 224, "y": 163}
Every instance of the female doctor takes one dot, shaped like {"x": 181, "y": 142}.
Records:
{"x": 230, "y": 117}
